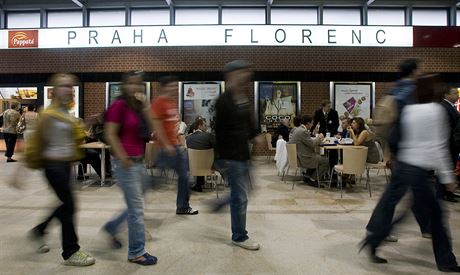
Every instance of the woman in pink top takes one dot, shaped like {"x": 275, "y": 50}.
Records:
{"x": 126, "y": 127}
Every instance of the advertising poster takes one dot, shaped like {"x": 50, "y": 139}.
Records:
{"x": 353, "y": 99}
{"x": 74, "y": 106}
{"x": 113, "y": 90}
{"x": 199, "y": 99}
{"x": 277, "y": 101}
{"x": 18, "y": 93}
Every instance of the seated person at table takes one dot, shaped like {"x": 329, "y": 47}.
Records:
{"x": 306, "y": 148}
{"x": 193, "y": 126}
{"x": 364, "y": 137}
{"x": 200, "y": 140}
{"x": 95, "y": 133}
{"x": 346, "y": 122}
{"x": 282, "y": 130}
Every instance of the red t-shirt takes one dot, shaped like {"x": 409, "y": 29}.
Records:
{"x": 119, "y": 112}
{"x": 165, "y": 110}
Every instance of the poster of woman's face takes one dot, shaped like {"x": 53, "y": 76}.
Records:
{"x": 277, "y": 101}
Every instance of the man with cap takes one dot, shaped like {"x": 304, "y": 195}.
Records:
{"x": 234, "y": 128}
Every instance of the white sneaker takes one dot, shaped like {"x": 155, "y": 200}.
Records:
{"x": 247, "y": 244}
{"x": 80, "y": 258}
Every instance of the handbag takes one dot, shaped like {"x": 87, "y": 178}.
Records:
{"x": 21, "y": 126}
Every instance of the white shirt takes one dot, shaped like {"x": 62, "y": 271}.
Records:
{"x": 182, "y": 128}
{"x": 424, "y": 140}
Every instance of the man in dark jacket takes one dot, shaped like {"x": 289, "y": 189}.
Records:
{"x": 327, "y": 118}
{"x": 200, "y": 140}
{"x": 234, "y": 128}
{"x": 450, "y": 98}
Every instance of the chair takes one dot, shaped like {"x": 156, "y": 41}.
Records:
{"x": 200, "y": 164}
{"x": 292, "y": 161}
{"x": 268, "y": 137}
{"x": 354, "y": 163}
{"x": 380, "y": 165}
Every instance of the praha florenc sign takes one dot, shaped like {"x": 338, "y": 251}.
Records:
{"x": 221, "y": 35}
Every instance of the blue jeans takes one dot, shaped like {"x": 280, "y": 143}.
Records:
{"x": 405, "y": 176}
{"x": 133, "y": 182}
{"x": 237, "y": 175}
{"x": 179, "y": 163}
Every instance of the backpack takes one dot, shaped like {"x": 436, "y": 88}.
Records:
{"x": 385, "y": 116}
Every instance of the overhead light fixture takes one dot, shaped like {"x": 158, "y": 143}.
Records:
{"x": 78, "y": 3}
{"x": 369, "y": 2}
{"x": 168, "y": 2}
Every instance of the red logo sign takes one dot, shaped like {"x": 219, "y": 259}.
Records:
{"x": 23, "y": 39}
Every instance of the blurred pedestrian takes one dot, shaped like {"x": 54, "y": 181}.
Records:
{"x": 170, "y": 154}
{"x": 234, "y": 128}
{"x": 414, "y": 162}
{"x": 60, "y": 135}
{"x": 127, "y": 126}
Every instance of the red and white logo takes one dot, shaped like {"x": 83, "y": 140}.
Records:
{"x": 23, "y": 39}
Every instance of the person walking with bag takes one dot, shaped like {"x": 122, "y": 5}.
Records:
{"x": 55, "y": 143}
{"x": 415, "y": 162}
{"x": 127, "y": 126}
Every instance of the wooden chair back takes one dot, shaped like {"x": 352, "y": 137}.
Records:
{"x": 200, "y": 162}
{"x": 292, "y": 155}
{"x": 354, "y": 160}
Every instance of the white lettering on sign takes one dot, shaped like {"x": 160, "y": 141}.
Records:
{"x": 225, "y": 35}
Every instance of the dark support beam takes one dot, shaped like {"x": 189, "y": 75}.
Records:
{"x": 220, "y": 15}
{"x": 43, "y": 18}
{"x": 453, "y": 14}
{"x": 268, "y": 13}
{"x": 127, "y": 15}
{"x": 85, "y": 17}
{"x": 320, "y": 14}
{"x": 172, "y": 15}
{"x": 364, "y": 15}
{"x": 408, "y": 16}
{"x": 2, "y": 19}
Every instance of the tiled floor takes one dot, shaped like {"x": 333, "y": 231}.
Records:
{"x": 302, "y": 231}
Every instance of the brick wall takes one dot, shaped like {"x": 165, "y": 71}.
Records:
{"x": 173, "y": 59}
{"x": 212, "y": 59}
{"x": 94, "y": 98}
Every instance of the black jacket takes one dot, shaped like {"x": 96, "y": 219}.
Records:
{"x": 326, "y": 124}
{"x": 234, "y": 128}
{"x": 453, "y": 117}
{"x": 200, "y": 141}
